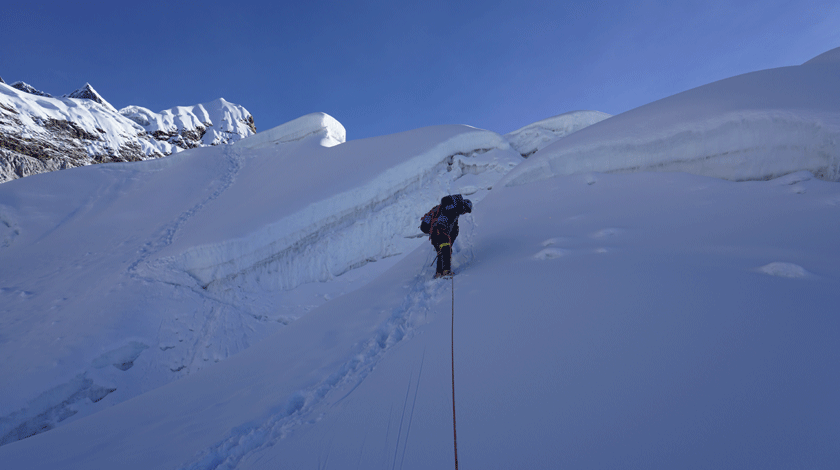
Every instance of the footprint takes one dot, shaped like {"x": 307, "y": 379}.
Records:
{"x": 607, "y": 233}
{"x": 780, "y": 269}
{"x": 554, "y": 241}
{"x": 122, "y": 358}
{"x": 794, "y": 178}
{"x": 833, "y": 200}
{"x": 551, "y": 253}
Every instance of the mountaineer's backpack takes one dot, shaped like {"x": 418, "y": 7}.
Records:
{"x": 428, "y": 220}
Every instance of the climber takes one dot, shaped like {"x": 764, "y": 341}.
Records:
{"x": 441, "y": 224}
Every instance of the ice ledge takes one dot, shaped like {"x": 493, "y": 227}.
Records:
{"x": 327, "y": 127}
{"x": 736, "y": 146}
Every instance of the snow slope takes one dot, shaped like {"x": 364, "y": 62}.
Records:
{"x": 636, "y": 325}
{"x": 754, "y": 126}
{"x": 162, "y": 267}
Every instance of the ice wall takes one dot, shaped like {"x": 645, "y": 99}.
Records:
{"x": 348, "y": 229}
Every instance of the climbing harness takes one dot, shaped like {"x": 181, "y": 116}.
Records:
{"x": 454, "y": 427}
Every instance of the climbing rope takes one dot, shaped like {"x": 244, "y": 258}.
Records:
{"x": 454, "y": 427}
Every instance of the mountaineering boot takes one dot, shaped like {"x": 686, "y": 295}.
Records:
{"x": 444, "y": 259}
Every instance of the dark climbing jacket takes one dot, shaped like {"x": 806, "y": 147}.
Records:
{"x": 441, "y": 223}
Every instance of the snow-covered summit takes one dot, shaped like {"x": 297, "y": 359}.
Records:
{"x": 540, "y": 134}
{"x": 755, "y": 126}
{"x": 88, "y": 93}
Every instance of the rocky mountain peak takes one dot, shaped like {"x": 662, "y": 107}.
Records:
{"x": 25, "y": 87}
{"x": 88, "y": 93}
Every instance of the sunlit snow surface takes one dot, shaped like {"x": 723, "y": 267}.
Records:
{"x": 646, "y": 320}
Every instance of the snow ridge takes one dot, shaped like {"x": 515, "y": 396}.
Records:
{"x": 27, "y": 88}
{"x": 756, "y": 126}
{"x": 184, "y": 127}
{"x": 538, "y": 135}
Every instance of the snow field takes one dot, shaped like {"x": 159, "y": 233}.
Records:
{"x": 654, "y": 341}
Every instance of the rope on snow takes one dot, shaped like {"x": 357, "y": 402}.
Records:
{"x": 454, "y": 427}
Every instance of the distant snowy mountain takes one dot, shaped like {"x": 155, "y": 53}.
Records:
{"x": 39, "y": 133}
{"x": 540, "y": 134}
{"x": 185, "y": 127}
{"x": 755, "y": 126}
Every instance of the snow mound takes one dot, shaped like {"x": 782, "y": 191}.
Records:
{"x": 322, "y": 125}
{"x": 536, "y": 136}
{"x": 780, "y": 269}
{"x": 755, "y": 126}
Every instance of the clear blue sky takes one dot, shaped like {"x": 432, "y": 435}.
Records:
{"x": 381, "y": 67}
